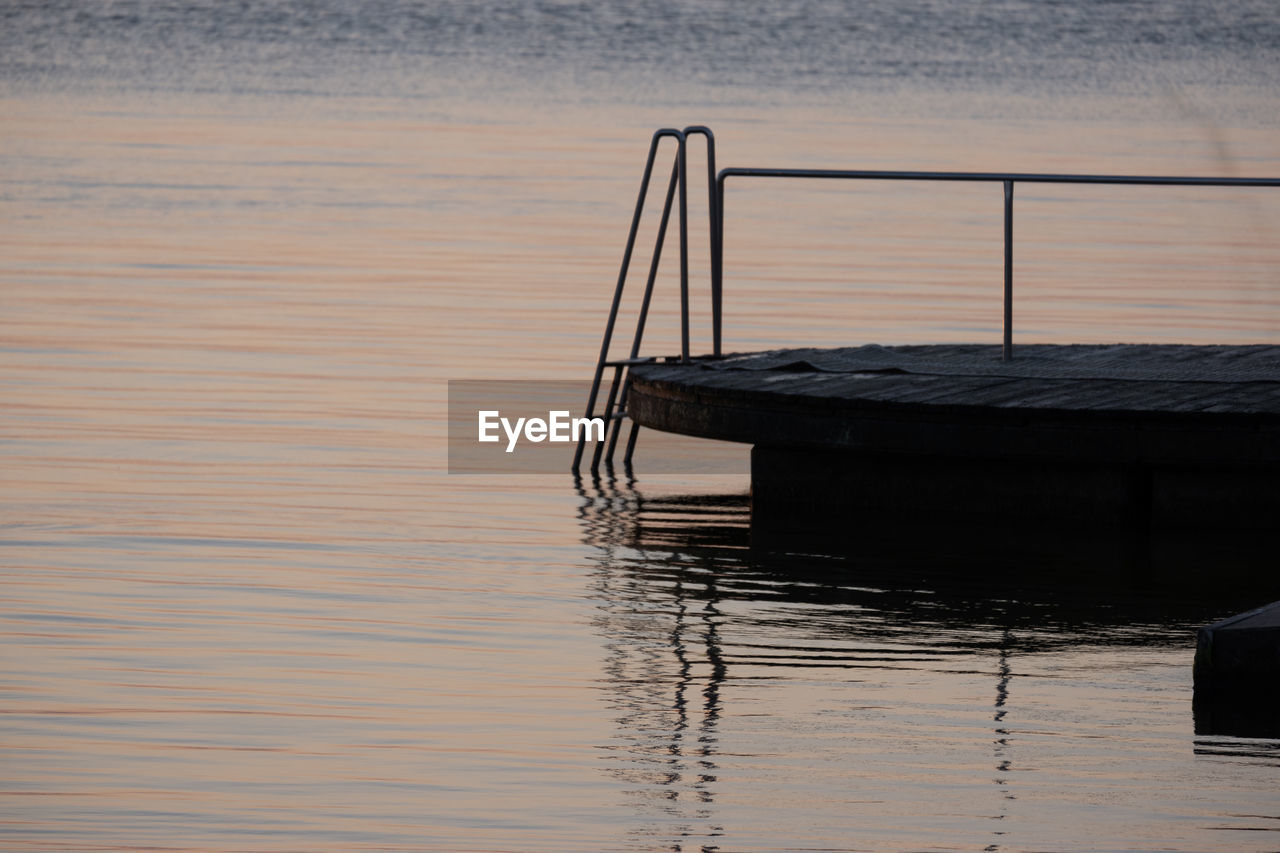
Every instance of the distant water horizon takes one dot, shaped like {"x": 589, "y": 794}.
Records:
{"x": 1178, "y": 59}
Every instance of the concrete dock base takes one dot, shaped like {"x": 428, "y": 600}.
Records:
{"x": 822, "y": 486}
{"x": 1113, "y": 524}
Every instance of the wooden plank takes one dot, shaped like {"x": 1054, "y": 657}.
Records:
{"x": 1108, "y": 416}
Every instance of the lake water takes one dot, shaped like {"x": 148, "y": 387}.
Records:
{"x": 245, "y": 247}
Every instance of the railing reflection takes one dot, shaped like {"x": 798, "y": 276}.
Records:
{"x": 664, "y": 669}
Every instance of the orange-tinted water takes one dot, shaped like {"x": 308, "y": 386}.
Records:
{"x": 245, "y": 608}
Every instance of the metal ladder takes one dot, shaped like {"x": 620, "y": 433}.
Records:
{"x": 614, "y": 411}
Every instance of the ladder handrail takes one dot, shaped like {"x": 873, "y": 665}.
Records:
{"x": 622, "y": 280}
{"x": 713, "y": 212}
{"x": 614, "y": 409}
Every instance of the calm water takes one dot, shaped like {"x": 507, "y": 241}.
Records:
{"x": 245, "y": 608}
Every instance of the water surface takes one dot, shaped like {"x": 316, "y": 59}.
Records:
{"x": 246, "y": 608}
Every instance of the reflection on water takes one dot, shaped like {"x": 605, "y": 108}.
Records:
{"x": 1250, "y": 712}
{"x": 665, "y": 669}
{"x": 735, "y": 671}
{"x": 1001, "y": 748}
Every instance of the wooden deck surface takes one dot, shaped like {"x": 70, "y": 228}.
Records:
{"x": 1141, "y": 403}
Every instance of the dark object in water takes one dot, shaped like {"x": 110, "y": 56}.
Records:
{"x": 1240, "y": 649}
{"x": 1237, "y": 675}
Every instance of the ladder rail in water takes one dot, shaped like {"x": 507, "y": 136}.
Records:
{"x": 677, "y": 192}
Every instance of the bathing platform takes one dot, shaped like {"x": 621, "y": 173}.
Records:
{"x": 1164, "y": 435}
{"x": 1139, "y": 435}
{"x": 1040, "y": 463}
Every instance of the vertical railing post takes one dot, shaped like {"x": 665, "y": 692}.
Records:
{"x": 713, "y": 238}
{"x": 713, "y": 234}
{"x": 683, "y": 165}
{"x": 1007, "y": 349}
{"x": 717, "y": 266}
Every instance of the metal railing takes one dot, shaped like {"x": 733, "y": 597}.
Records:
{"x": 677, "y": 186}
{"x": 615, "y": 410}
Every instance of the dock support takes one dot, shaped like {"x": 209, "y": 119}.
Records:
{"x": 1007, "y": 354}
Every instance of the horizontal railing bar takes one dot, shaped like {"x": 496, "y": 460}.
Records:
{"x": 1008, "y": 179}
{"x": 1022, "y": 177}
